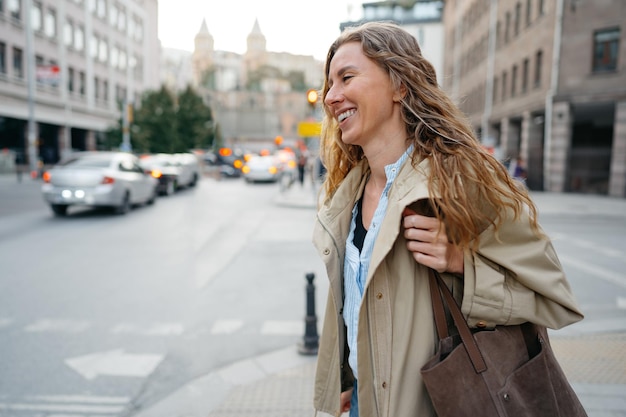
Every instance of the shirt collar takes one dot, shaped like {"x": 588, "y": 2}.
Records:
{"x": 391, "y": 170}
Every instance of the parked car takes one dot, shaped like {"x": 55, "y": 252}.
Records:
{"x": 109, "y": 179}
{"x": 164, "y": 169}
{"x": 190, "y": 170}
{"x": 262, "y": 169}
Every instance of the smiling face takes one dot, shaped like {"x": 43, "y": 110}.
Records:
{"x": 362, "y": 99}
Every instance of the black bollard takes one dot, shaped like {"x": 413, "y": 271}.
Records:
{"x": 310, "y": 339}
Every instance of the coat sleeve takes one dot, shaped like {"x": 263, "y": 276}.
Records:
{"x": 515, "y": 276}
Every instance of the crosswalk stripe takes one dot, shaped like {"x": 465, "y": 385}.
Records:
{"x": 282, "y": 327}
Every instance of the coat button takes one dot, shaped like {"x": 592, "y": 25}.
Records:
{"x": 379, "y": 295}
{"x": 384, "y": 385}
{"x": 327, "y": 251}
{"x": 481, "y": 324}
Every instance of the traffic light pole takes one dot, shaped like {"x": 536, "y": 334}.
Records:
{"x": 31, "y": 135}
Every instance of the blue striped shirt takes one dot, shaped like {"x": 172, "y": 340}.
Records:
{"x": 356, "y": 265}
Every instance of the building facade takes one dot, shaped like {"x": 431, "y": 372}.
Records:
{"x": 544, "y": 80}
{"x": 68, "y": 67}
{"x": 255, "y": 96}
{"x": 421, "y": 18}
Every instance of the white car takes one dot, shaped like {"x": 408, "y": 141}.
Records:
{"x": 190, "y": 170}
{"x": 262, "y": 169}
{"x": 111, "y": 179}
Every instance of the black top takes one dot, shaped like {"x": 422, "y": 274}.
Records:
{"x": 359, "y": 231}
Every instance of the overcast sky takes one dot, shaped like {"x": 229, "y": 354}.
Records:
{"x": 305, "y": 27}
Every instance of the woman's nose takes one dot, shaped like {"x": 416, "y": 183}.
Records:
{"x": 332, "y": 96}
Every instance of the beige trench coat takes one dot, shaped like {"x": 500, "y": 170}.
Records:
{"x": 510, "y": 281}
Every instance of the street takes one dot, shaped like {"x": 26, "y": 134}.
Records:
{"x": 102, "y": 314}
{"x": 107, "y": 315}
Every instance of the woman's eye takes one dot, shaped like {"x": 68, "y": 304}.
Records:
{"x": 346, "y": 77}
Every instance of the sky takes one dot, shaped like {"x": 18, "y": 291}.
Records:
{"x": 303, "y": 27}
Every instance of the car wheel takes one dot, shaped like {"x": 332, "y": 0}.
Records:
{"x": 59, "y": 209}
{"x": 124, "y": 207}
{"x": 194, "y": 181}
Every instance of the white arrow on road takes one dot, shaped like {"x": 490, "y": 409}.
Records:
{"x": 114, "y": 363}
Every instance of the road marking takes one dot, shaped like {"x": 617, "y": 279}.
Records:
{"x": 155, "y": 329}
{"x": 68, "y": 404}
{"x": 597, "y": 271}
{"x": 5, "y": 322}
{"x": 226, "y": 326}
{"x": 586, "y": 244}
{"x": 282, "y": 327}
{"x": 621, "y": 303}
{"x": 58, "y": 325}
{"x": 114, "y": 363}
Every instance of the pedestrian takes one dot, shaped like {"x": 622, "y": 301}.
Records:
{"x": 409, "y": 187}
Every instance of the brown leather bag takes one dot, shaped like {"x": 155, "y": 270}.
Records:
{"x": 509, "y": 371}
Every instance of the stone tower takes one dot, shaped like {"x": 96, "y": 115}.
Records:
{"x": 202, "y": 59}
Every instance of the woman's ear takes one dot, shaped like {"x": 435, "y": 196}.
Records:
{"x": 400, "y": 94}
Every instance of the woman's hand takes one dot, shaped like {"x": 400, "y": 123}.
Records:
{"x": 346, "y": 396}
{"x": 427, "y": 239}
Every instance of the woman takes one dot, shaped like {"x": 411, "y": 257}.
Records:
{"x": 408, "y": 188}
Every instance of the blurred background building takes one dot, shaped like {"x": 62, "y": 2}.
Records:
{"x": 422, "y": 18}
{"x": 69, "y": 67}
{"x": 544, "y": 80}
{"x": 255, "y": 96}
{"x": 540, "y": 80}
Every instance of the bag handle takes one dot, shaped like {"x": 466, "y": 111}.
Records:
{"x": 438, "y": 288}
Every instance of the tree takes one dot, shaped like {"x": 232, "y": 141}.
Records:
{"x": 168, "y": 123}
{"x": 156, "y": 123}
{"x": 195, "y": 121}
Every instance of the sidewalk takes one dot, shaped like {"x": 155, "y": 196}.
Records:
{"x": 280, "y": 384}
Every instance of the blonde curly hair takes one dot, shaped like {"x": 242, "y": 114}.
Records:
{"x": 473, "y": 188}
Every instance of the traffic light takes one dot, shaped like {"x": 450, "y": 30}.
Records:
{"x": 311, "y": 97}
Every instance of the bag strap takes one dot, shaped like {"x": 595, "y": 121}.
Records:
{"x": 459, "y": 321}
{"x": 438, "y": 310}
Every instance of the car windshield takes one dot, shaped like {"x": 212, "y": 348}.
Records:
{"x": 99, "y": 161}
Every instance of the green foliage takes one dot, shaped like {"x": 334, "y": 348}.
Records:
{"x": 168, "y": 123}
{"x": 195, "y": 121}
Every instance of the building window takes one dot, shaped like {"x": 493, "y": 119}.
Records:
{"x": 498, "y": 34}
{"x": 3, "y": 58}
{"x": 79, "y": 38}
{"x": 518, "y": 18}
{"x": 105, "y": 90}
{"x": 507, "y": 27}
{"x": 50, "y": 24}
{"x": 96, "y": 87}
{"x": 101, "y": 9}
{"x": 504, "y": 76}
{"x": 525, "y": 69}
{"x": 18, "y": 63}
{"x": 93, "y": 47}
{"x": 605, "y": 49}
{"x": 70, "y": 80}
{"x": 529, "y": 12}
{"x": 103, "y": 52}
{"x": 15, "y": 9}
{"x": 36, "y": 19}
{"x": 514, "y": 81}
{"x": 538, "y": 65}
{"x": 495, "y": 89}
{"x": 68, "y": 33}
{"x": 541, "y": 7}
{"x": 81, "y": 83}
